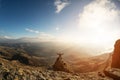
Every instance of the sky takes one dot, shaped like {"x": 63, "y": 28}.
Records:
{"x": 80, "y": 21}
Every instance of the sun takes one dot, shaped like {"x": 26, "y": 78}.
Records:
{"x": 99, "y": 24}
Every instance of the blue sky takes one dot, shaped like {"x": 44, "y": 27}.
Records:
{"x": 68, "y": 20}
{"x": 40, "y": 15}
{"x": 17, "y": 15}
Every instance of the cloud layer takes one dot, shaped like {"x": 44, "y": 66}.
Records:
{"x": 60, "y": 5}
{"x": 100, "y": 19}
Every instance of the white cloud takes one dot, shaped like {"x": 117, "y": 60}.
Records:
{"x": 100, "y": 21}
{"x": 57, "y": 28}
{"x": 31, "y": 30}
{"x": 6, "y": 37}
{"x": 98, "y": 12}
{"x": 60, "y": 5}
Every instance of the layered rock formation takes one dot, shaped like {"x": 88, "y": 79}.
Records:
{"x": 116, "y": 55}
{"x": 114, "y": 71}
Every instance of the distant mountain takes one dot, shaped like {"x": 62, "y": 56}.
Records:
{"x": 48, "y": 49}
{"x": 21, "y": 40}
{"x": 22, "y": 56}
{"x": 25, "y": 54}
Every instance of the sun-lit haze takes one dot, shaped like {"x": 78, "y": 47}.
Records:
{"x": 100, "y": 22}
{"x": 98, "y": 25}
{"x": 89, "y": 23}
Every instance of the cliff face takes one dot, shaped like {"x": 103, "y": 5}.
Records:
{"x": 114, "y": 71}
{"x": 116, "y": 55}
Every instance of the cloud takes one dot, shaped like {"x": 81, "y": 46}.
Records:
{"x": 31, "y": 30}
{"x": 57, "y": 28}
{"x": 100, "y": 21}
{"x": 98, "y": 12}
{"x": 6, "y": 37}
{"x": 60, "y": 5}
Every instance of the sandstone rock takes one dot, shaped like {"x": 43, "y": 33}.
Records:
{"x": 116, "y": 55}
{"x": 61, "y": 65}
{"x": 113, "y": 73}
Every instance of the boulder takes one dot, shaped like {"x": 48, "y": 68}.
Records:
{"x": 61, "y": 65}
{"x": 113, "y": 73}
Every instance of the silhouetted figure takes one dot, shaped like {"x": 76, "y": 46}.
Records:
{"x": 116, "y": 55}
{"x": 60, "y": 54}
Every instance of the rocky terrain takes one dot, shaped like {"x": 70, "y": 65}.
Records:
{"x": 13, "y": 70}
{"x": 17, "y": 64}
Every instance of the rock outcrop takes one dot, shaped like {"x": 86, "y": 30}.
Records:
{"x": 116, "y": 55}
{"x": 114, "y": 71}
{"x": 60, "y": 65}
